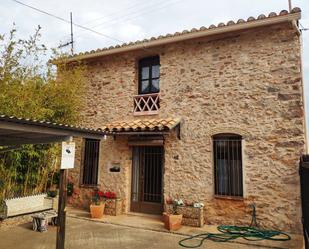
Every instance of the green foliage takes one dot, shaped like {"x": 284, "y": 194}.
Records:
{"x": 32, "y": 89}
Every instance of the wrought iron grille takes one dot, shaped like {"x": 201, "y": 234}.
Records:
{"x": 147, "y": 174}
{"x": 228, "y": 165}
{"x": 91, "y": 162}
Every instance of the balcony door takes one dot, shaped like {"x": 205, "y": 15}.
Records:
{"x": 147, "y": 174}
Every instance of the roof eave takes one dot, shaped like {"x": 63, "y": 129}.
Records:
{"x": 209, "y": 32}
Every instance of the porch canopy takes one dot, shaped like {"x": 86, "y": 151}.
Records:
{"x": 18, "y": 131}
{"x": 144, "y": 129}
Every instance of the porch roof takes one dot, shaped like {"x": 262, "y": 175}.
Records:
{"x": 142, "y": 126}
{"x": 18, "y": 131}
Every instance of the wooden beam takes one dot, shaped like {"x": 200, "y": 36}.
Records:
{"x": 62, "y": 209}
{"x": 5, "y": 141}
{"x": 41, "y": 128}
{"x": 141, "y": 133}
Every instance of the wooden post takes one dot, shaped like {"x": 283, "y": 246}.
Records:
{"x": 62, "y": 208}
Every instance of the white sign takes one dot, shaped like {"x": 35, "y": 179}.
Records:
{"x": 68, "y": 155}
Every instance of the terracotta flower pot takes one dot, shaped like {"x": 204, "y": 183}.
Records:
{"x": 97, "y": 211}
{"x": 172, "y": 222}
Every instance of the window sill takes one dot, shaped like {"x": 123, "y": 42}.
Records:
{"x": 233, "y": 198}
{"x": 89, "y": 186}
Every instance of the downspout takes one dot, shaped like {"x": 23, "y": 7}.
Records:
{"x": 295, "y": 25}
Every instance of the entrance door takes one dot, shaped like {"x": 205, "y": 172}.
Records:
{"x": 147, "y": 179}
{"x": 304, "y": 178}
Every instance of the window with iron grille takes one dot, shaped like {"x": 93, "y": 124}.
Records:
{"x": 149, "y": 75}
{"x": 91, "y": 162}
{"x": 228, "y": 165}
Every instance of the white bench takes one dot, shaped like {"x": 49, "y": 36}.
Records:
{"x": 27, "y": 205}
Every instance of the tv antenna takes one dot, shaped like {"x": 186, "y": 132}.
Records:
{"x": 71, "y": 42}
{"x": 290, "y": 5}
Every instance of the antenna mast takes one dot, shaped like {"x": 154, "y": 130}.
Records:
{"x": 290, "y": 5}
{"x": 72, "y": 40}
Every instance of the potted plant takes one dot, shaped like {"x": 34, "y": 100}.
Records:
{"x": 97, "y": 205}
{"x": 172, "y": 220}
{"x": 109, "y": 195}
{"x": 113, "y": 203}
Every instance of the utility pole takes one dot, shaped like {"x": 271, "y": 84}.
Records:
{"x": 71, "y": 42}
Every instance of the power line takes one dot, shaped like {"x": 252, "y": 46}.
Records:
{"x": 302, "y": 27}
{"x": 127, "y": 13}
{"x": 132, "y": 15}
{"x": 115, "y": 22}
{"x": 114, "y": 13}
{"x": 137, "y": 13}
{"x": 67, "y": 21}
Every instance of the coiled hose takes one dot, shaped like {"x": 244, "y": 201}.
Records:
{"x": 251, "y": 232}
{"x": 234, "y": 232}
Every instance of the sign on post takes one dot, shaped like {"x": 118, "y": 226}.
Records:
{"x": 68, "y": 155}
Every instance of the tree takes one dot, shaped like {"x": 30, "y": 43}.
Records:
{"x": 30, "y": 88}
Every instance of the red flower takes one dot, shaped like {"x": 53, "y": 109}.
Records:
{"x": 109, "y": 195}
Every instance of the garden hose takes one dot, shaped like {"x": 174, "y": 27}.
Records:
{"x": 228, "y": 233}
{"x": 234, "y": 232}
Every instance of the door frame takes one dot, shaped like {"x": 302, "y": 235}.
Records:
{"x": 148, "y": 207}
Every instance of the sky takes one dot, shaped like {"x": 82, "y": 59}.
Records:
{"x": 130, "y": 20}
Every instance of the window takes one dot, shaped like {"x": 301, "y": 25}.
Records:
{"x": 228, "y": 165}
{"x": 91, "y": 162}
{"x": 149, "y": 75}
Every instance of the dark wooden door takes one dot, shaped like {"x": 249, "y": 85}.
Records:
{"x": 304, "y": 179}
{"x": 147, "y": 174}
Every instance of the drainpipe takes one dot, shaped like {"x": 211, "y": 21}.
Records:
{"x": 295, "y": 26}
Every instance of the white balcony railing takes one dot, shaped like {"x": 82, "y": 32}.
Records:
{"x": 146, "y": 104}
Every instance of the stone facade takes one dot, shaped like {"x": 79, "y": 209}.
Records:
{"x": 247, "y": 83}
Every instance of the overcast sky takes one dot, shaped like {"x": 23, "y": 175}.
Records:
{"x": 130, "y": 20}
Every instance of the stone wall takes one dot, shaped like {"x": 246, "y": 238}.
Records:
{"x": 247, "y": 83}
{"x": 191, "y": 216}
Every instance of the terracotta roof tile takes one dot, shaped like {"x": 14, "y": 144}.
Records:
{"x": 184, "y": 32}
{"x": 142, "y": 125}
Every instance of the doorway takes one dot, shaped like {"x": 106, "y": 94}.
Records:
{"x": 147, "y": 179}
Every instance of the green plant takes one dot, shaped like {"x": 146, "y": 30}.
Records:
{"x": 97, "y": 197}
{"x": 70, "y": 188}
{"x": 52, "y": 193}
{"x": 32, "y": 88}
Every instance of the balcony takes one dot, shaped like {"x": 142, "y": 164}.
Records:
{"x": 146, "y": 104}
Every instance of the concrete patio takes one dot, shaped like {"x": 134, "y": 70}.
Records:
{"x": 153, "y": 223}
{"x": 123, "y": 232}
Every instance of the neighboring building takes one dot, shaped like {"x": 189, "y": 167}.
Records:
{"x": 214, "y": 115}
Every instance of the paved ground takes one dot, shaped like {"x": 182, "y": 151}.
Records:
{"x": 83, "y": 234}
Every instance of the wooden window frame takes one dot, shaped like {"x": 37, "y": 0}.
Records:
{"x": 92, "y": 182}
{"x": 148, "y": 62}
{"x": 232, "y": 192}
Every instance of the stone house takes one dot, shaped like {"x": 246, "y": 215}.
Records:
{"x": 212, "y": 115}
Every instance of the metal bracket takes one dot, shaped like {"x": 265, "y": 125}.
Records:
{"x": 178, "y": 131}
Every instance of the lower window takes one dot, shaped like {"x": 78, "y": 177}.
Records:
{"x": 91, "y": 162}
{"x": 228, "y": 165}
